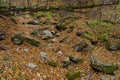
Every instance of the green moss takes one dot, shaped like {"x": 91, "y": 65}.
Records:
{"x": 33, "y": 42}
{"x": 104, "y": 37}
{"x": 1, "y": 78}
{"x": 40, "y": 14}
{"x": 6, "y": 59}
{"x": 1, "y": 71}
{"x": 110, "y": 69}
{"x": 73, "y": 75}
{"x": 52, "y": 63}
{"x": 87, "y": 36}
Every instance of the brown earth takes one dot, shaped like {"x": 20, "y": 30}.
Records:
{"x": 19, "y": 58}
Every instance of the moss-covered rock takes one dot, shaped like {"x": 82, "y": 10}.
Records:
{"x": 88, "y": 36}
{"x": 52, "y": 63}
{"x": 113, "y": 46}
{"x": 61, "y": 27}
{"x": 36, "y": 33}
{"x": 80, "y": 46}
{"x": 18, "y": 39}
{"x": 72, "y": 75}
{"x": 33, "y": 42}
{"x": 33, "y": 22}
{"x": 100, "y": 66}
{"x": 74, "y": 59}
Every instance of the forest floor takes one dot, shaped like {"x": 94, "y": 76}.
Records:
{"x": 15, "y": 61}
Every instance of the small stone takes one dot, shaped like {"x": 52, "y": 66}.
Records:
{"x": 2, "y": 36}
{"x": 43, "y": 55}
{"x": 66, "y": 63}
{"x": 104, "y": 78}
{"x": 47, "y": 21}
{"x": 60, "y": 52}
{"x": 47, "y": 33}
{"x": 57, "y": 34}
{"x": 33, "y": 22}
{"x": 68, "y": 40}
{"x": 31, "y": 65}
{"x": 3, "y": 48}
{"x": 54, "y": 40}
{"x": 26, "y": 50}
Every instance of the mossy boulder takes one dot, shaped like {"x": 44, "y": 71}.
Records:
{"x": 33, "y": 42}
{"x": 72, "y": 75}
{"x": 18, "y": 39}
{"x": 113, "y": 46}
{"x": 100, "y": 66}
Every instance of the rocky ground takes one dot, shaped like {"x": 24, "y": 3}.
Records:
{"x": 58, "y": 46}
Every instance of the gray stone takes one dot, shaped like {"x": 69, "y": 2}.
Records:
{"x": 31, "y": 65}
{"x": 104, "y": 78}
{"x": 47, "y": 33}
{"x": 2, "y": 36}
{"x": 33, "y": 22}
{"x": 43, "y": 56}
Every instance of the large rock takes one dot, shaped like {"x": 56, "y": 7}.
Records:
{"x": 80, "y": 46}
{"x": 113, "y": 46}
{"x": 100, "y": 66}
